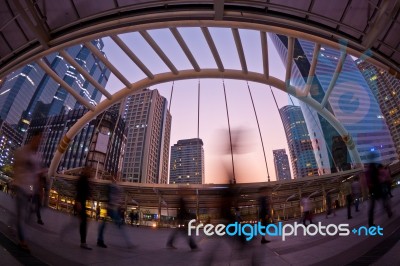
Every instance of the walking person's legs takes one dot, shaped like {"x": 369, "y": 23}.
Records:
{"x": 371, "y": 211}
{"x": 83, "y": 229}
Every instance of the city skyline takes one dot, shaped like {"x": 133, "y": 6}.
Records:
{"x": 213, "y": 118}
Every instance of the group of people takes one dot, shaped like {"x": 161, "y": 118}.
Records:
{"x": 30, "y": 186}
{"x": 114, "y": 193}
{"x": 378, "y": 183}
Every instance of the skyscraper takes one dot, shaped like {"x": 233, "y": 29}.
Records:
{"x": 281, "y": 163}
{"x": 99, "y": 144}
{"x": 148, "y": 129}
{"x": 10, "y": 140}
{"x": 351, "y": 101}
{"x": 187, "y": 162}
{"x": 301, "y": 151}
{"x": 386, "y": 89}
{"x": 30, "y": 93}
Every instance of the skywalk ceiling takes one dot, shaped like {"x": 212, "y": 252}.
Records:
{"x": 29, "y": 27}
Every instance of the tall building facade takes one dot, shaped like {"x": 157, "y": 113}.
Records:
{"x": 148, "y": 129}
{"x": 351, "y": 101}
{"x": 281, "y": 163}
{"x": 99, "y": 145}
{"x": 187, "y": 162}
{"x": 10, "y": 140}
{"x": 386, "y": 89}
{"x": 30, "y": 93}
{"x": 300, "y": 145}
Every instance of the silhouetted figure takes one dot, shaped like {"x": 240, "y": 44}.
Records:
{"x": 329, "y": 205}
{"x": 346, "y": 190}
{"x": 386, "y": 180}
{"x": 264, "y": 215}
{"x": 82, "y": 195}
{"x": 97, "y": 212}
{"x": 132, "y": 217}
{"x": 356, "y": 192}
{"x": 183, "y": 217}
{"x": 39, "y": 191}
{"x": 114, "y": 211}
{"x": 376, "y": 191}
{"x": 27, "y": 168}
{"x": 307, "y": 209}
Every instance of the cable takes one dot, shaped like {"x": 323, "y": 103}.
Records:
{"x": 259, "y": 130}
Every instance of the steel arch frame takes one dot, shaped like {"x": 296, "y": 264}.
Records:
{"x": 205, "y": 73}
{"x": 147, "y": 22}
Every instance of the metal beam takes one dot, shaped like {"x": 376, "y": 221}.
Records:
{"x": 334, "y": 78}
{"x": 239, "y": 48}
{"x": 158, "y": 51}
{"x": 289, "y": 60}
{"x": 311, "y": 73}
{"x": 132, "y": 56}
{"x": 36, "y": 26}
{"x": 213, "y": 48}
{"x": 264, "y": 52}
{"x": 85, "y": 74}
{"x": 185, "y": 48}
{"x": 68, "y": 88}
{"x": 219, "y": 9}
{"x": 108, "y": 64}
{"x": 14, "y": 61}
{"x": 381, "y": 22}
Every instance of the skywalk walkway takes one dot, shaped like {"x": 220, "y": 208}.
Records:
{"x": 50, "y": 247}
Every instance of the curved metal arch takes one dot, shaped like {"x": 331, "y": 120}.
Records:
{"x": 146, "y": 22}
{"x": 205, "y": 73}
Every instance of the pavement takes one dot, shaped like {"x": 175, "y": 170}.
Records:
{"x": 57, "y": 243}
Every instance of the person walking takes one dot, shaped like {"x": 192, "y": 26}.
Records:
{"x": 346, "y": 190}
{"x": 39, "y": 191}
{"x": 329, "y": 205}
{"x": 27, "y": 168}
{"x": 356, "y": 192}
{"x": 82, "y": 195}
{"x": 264, "y": 215}
{"x": 307, "y": 209}
{"x": 114, "y": 195}
{"x": 182, "y": 217}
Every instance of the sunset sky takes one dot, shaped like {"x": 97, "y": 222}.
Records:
{"x": 249, "y": 162}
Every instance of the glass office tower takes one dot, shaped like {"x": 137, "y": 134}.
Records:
{"x": 30, "y": 93}
{"x": 300, "y": 146}
{"x": 351, "y": 101}
{"x": 187, "y": 162}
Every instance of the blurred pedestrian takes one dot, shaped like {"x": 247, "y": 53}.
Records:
{"x": 114, "y": 194}
{"x": 82, "y": 195}
{"x": 183, "y": 217}
{"x": 98, "y": 212}
{"x": 376, "y": 191}
{"x": 329, "y": 205}
{"x": 307, "y": 209}
{"x": 39, "y": 189}
{"x": 264, "y": 215}
{"x": 346, "y": 190}
{"x": 131, "y": 217}
{"x": 356, "y": 192}
{"x": 386, "y": 180}
{"x": 27, "y": 168}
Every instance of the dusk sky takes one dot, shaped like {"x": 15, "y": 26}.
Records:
{"x": 249, "y": 163}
